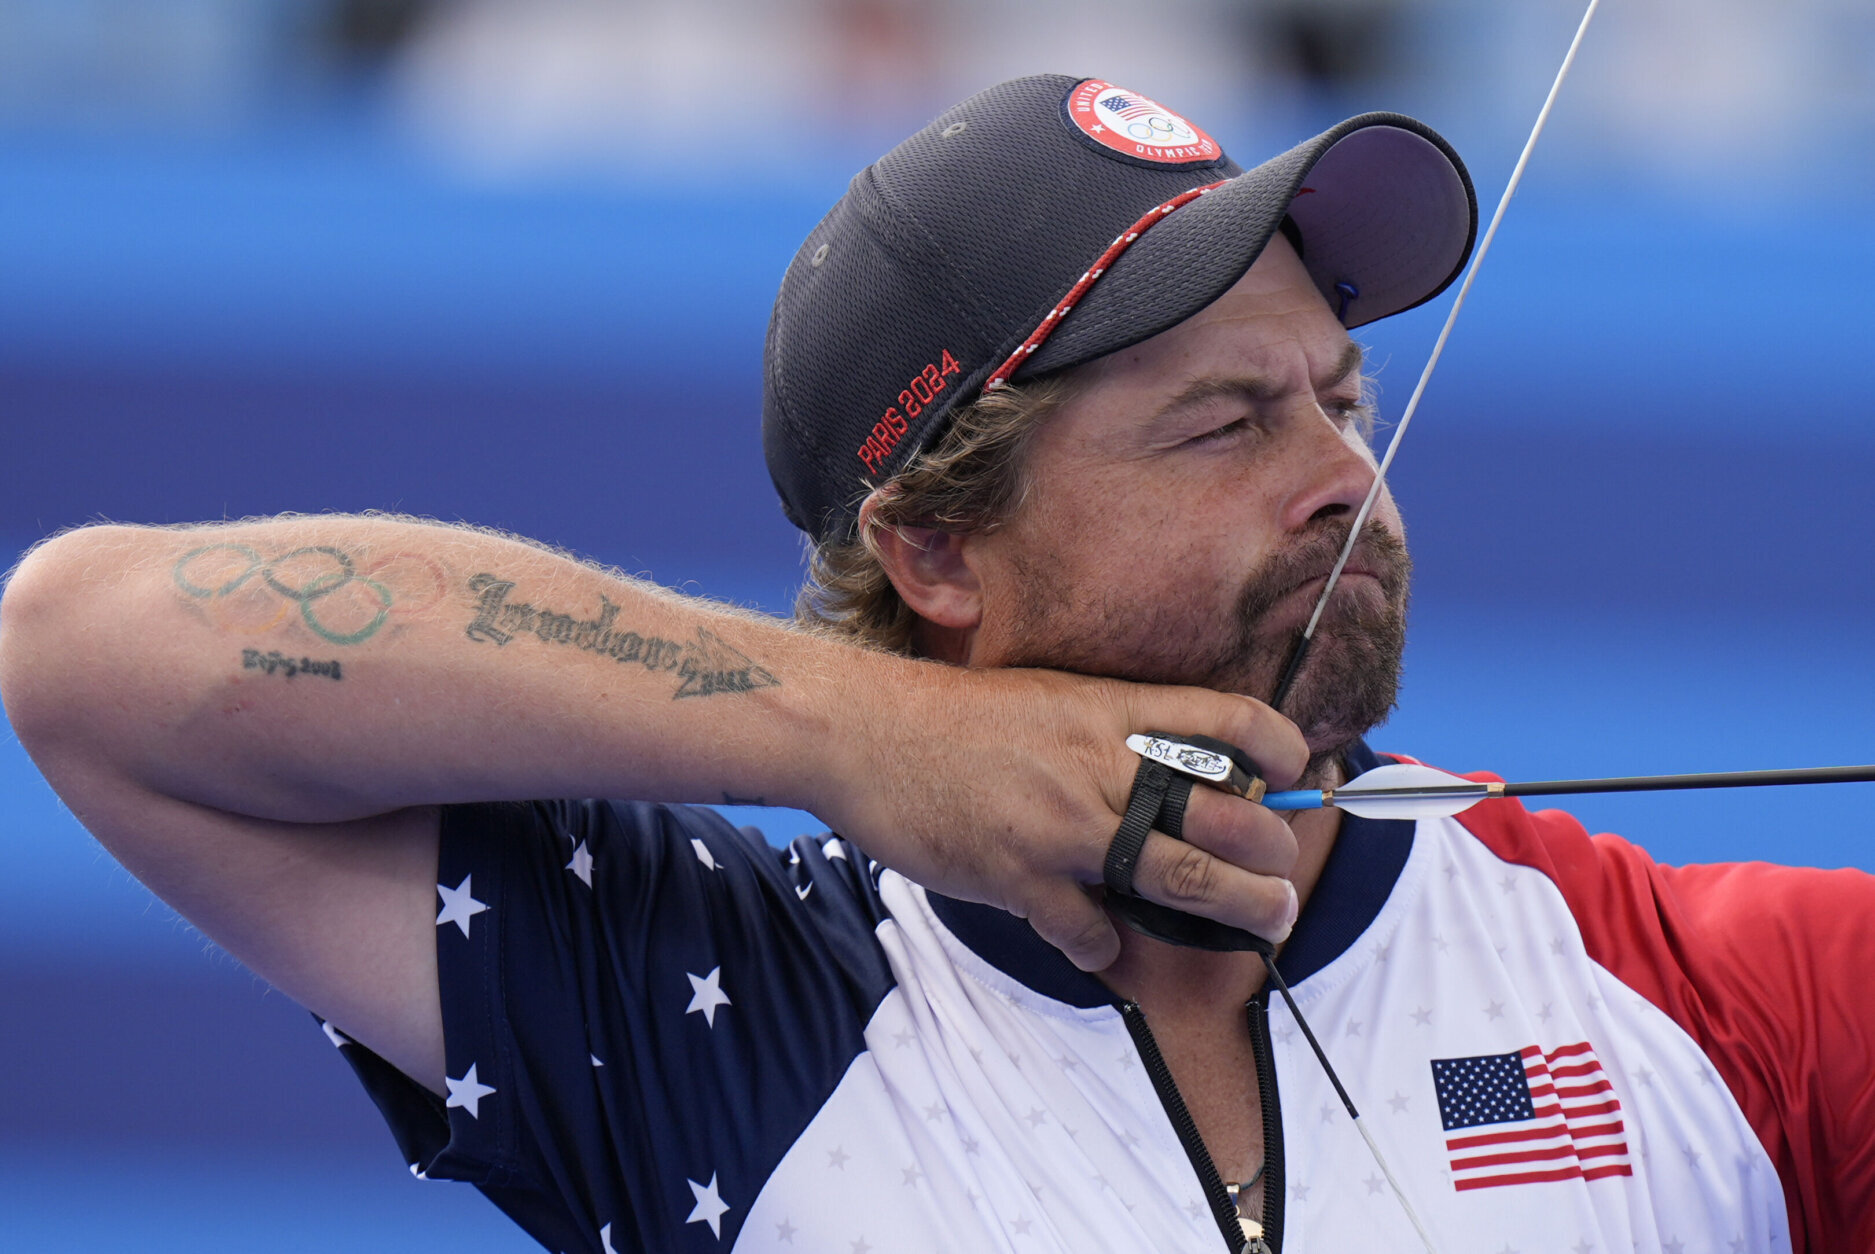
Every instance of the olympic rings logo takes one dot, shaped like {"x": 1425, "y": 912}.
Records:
{"x": 1159, "y": 130}
{"x": 308, "y": 577}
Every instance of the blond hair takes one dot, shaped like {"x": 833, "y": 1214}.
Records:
{"x": 972, "y": 479}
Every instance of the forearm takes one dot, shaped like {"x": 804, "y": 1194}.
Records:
{"x": 314, "y": 669}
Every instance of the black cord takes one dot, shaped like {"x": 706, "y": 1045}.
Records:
{"x": 1269, "y": 961}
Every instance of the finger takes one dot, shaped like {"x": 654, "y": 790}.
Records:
{"x": 1067, "y": 918}
{"x": 1271, "y": 740}
{"x": 1240, "y": 832}
{"x": 1185, "y": 877}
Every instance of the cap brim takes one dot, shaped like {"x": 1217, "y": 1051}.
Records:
{"x": 1383, "y": 206}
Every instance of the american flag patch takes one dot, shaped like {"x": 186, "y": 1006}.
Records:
{"x": 1129, "y": 108}
{"x": 1530, "y": 1116}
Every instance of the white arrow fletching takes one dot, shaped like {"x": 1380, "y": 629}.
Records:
{"x": 1453, "y": 794}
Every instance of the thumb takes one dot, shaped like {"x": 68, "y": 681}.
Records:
{"x": 1070, "y": 920}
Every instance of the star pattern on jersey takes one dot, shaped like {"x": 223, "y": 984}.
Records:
{"x": 925, "y": 1108}
{"x": 1582, "y": 1247}
{"x": 605, "y": 1239}
{"x": 467, "y": 1093}
{"x": 710, "y": 1207}
{"x": 706, "y": 995}
{"x": 581, "y": 865}
{"x": 1675, "y": 1246}
{"x": 459, "y": 905}
{"x": 337, "y": 1037}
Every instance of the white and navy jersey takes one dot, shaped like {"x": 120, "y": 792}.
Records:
{"x": 665, "y": 1035}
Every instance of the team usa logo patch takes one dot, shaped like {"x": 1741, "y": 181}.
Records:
{"x": 1137, "y": 125}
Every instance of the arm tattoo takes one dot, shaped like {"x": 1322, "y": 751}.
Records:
{"x": 703, "y": 666}
{"x": 249, "y": 594}
{"x": 277, "y": 662}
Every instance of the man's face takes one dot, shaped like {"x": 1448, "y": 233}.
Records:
{"x": 1186, "y": 505}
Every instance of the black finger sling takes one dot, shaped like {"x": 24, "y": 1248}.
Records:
{"x": 1158, "y": 802}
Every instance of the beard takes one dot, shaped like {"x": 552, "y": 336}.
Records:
{"x": 1347, "y": 684}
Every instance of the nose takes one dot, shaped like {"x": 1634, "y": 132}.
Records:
{"x": 1334, "y": 471}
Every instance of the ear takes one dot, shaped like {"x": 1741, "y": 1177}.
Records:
{"x": 930, "y": 570}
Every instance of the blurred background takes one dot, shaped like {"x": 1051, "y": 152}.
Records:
{"x": 510, "y": 261}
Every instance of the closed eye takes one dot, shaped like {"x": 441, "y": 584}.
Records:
{"x": 1225, "y": 432}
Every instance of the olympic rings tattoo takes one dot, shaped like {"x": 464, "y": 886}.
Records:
{"x": 307, "y": 595}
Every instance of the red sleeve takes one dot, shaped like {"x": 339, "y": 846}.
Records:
{"x": 1763, "y": 966}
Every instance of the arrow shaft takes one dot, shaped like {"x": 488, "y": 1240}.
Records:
{"x": 1720, "y": 779}
{"x": 1317, "y": 798}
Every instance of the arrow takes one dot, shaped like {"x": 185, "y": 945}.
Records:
{"x": 1405, "y": 790}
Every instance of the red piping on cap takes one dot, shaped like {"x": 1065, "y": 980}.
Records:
{"x": 1101, "y": 265}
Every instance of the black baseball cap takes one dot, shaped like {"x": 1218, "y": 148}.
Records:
{"x": 1048, "y": 221}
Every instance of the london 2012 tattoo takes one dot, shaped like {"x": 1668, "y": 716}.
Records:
{"x": 278, "y": 663}
{"x": 703, "y": 666}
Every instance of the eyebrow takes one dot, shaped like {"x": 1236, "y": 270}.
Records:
{"x": 1255, "y": 387}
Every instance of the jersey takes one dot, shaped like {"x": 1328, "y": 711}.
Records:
{"x": 663, "y": 1034}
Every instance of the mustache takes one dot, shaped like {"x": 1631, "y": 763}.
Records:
{"x": 1379, "y": 553}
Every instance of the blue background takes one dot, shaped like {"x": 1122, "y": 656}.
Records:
{"x": 1637, "y": 495}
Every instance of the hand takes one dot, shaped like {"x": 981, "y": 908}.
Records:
{"x": 1007, "y": 786}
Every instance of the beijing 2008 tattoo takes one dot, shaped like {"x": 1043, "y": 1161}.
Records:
{"x": 248, "y": 593}
{"x": 703, "y": 666}
{"x": 277, "y": 663}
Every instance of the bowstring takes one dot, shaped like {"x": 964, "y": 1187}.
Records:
{"x": 1419, "y": 389}
{"x": 1300, "y": 650}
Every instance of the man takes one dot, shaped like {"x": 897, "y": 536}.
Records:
{"x": 1068, "y": 405}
